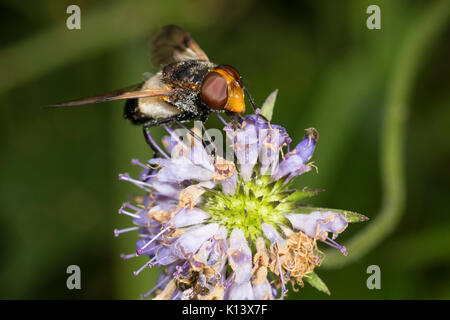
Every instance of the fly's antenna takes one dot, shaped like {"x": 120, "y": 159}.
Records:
{"x": 252, "y": 101}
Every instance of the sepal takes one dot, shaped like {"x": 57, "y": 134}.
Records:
{"x": 314, "y": 280}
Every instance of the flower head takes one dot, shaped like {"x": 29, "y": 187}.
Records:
{"x": 231, "y": 228}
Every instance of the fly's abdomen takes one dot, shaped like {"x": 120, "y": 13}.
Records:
{"x": 131, "y": 111}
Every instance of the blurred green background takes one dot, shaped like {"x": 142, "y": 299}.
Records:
{"x": 379, "y": 99}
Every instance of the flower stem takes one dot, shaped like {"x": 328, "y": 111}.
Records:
{"x": 410, "y": 55}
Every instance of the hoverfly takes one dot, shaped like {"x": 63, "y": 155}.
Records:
{"x": 188, "y": 86}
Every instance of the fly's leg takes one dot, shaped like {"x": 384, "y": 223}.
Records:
{"x": 156, "y": 153}
{"x": 196, "y": 136}
{"x": 203, "y": 116}
{"x": 192, "y": 133}
{"x": 148, "y": 140}
{"x": 208, "y": 137}
{"x": 178, "y": 119}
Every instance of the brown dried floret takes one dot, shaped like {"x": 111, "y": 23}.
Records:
{"x": 261, "y": 262}
{"x": 210, "y": 270}
{"x": 175, "y": 233}
{"x": 223, "y": 169}
{"x": 162, "y": 216}
{"x": 298, "y": 257}
{"x": 190, "y": 196}
{"x": 167, "y": 292}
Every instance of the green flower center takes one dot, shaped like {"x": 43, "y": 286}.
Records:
{"x": 254, "y": 202}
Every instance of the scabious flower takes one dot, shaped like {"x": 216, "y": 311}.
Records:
{"x": 231, "y": 229}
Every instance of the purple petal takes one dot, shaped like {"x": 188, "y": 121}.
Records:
{"x": 317, "y": 224}
{"x": 240, "y": 291}
{"x": 169, "y": 144}
{"x": 246, "y": 149}
{"x": 180, "y": 169}
{"x": 190, "y": 217}
{"x": 199, "y": 156}
{"x": 240, "y": 256}
{"x": 189, "y": 242}
{"x": 149, "y": 250}
{"x": 167, "y": 189}
{"x": 271, "y": 141}
{"x": 262, "y": 291}
{"x": 295, "y": 161}
{"x": 229, "y": 185}
{"x": 272, "y": 234}
{"x": 293, "y": 164}
{"x": 305, "y": 148}
{"x": 164, "y": 256}
{"x": 212, "y": 251}
{"x": 222, "y": 233}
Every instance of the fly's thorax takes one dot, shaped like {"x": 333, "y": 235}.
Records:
{"x": 189, "y": 73}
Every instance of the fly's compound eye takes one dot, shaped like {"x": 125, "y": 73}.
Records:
{"x": 215, "y": 90}
{"x": 232, "y": 72}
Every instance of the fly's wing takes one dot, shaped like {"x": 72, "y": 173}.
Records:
{"x": 121, "y": 94}
{"x": 174, "y": 44}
